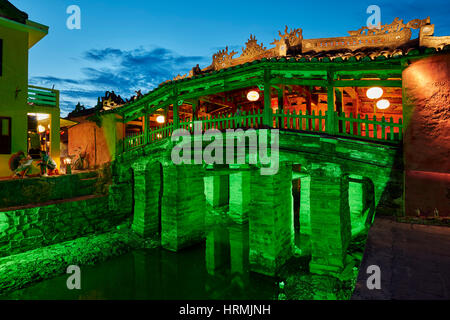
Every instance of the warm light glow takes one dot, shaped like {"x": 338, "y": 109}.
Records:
{"x": 41, "y": 129}
{"x": 374, "y": 93}
{"x": 159, "y": 136}
{"x": 383, "y": 104}
{"x": 253, "y": 96}
{"x": 67, "y": 161}
{"x": 160, "y": 119}
{"x": 40, "y": 116}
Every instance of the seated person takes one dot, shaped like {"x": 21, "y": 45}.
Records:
{"x": 24, "y": 165}
{"x": 47, "y": 163}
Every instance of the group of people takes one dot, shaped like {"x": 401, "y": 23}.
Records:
{"x": 22, "y": 164}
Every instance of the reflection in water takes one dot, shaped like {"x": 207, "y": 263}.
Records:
{"x": 217, "y": 269}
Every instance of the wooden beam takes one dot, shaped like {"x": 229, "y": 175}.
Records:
{"x": 267, "y": 119}
{"x": 367, "y": 83}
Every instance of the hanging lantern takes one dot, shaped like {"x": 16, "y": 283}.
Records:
{"x": 160, "y": 119}
{"x": 374, "y": 93}
{"x": 383, "y": 104}
{"x": 253, "y": 96}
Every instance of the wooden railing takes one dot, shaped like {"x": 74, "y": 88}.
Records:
{"x": 160, "y": 133}
{"x": 134, "y": 140}
{"x": 252, "y": 119}
{"x": 371, "y": 129}
{"x": 364, "y": 128}
{"x": 42, "y": 96}
{"x": 300, "y": 121}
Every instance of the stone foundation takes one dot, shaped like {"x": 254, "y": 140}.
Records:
{"x": 147, "y": 198}
{"x": 271, "y": 220}
{"x": 330, "y": 218}
{"x": 183, "y": 206}
{"x": 239, "y": 196}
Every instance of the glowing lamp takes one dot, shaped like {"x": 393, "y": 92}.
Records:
{"x": 383, "y": 104}
{"x": 374, "y": 93}
{"x": 41, "y": 129}
{"x": 253, "y": 96}
{"x": 160, "y": 119}
{"x": 67, "y": 162}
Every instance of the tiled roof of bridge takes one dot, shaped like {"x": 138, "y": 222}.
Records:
{"x": 297, "y": 52}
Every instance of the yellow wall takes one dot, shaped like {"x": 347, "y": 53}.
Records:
{"x": 14, "y": 105}
{"x": 14, "y": 76}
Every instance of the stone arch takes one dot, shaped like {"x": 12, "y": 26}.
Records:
{"x": 361, "y": 198}
{"x": 147, "y": 191}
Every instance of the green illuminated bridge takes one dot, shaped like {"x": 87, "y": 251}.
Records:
{"x": 340, "y": 161}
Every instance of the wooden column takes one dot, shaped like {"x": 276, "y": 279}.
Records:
{"x": 280, "y": 104}
{"x": 176, "y": 119}
{"x": 331, "y": 115}
{"x": 339, "y": 107}
{"x": 267, "y": 114}
{"x": 195, "y": 106}
{"x": 145, "y": 127}
{"x": 309, "y": 107}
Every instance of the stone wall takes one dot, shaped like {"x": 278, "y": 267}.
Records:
{"x": 19, "y": 192}
{"x": 426, "y": 97}
{"x": 31, "y": 228}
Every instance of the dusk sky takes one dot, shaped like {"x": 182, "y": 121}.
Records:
{"x": 135, "y": 44}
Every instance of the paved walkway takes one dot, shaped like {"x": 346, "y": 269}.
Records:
{"x": 414, "y": 261}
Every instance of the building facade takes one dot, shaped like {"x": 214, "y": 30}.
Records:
{"x": 29, "y": 115}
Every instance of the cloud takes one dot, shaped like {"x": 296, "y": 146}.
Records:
{"x": 122, "y": 71}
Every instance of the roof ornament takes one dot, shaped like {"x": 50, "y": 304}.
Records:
{"x": 252, "y": 48}
{"x": 222, "y": 59}
{"x": 396, "y": 26}
{"x": 287, "y": 40}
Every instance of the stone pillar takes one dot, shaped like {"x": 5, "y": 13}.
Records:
{"x": 305, "y": 205}
{"x": 147, "y": 206}
{"x": 271, "y": 220}
{"x": 183, "y": 206}
{"x": 217, "y": 190}
{"x": 239, "y": 196}
{"x": 330, "y": 218}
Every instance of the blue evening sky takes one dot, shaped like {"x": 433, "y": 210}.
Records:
{"x": 137, "y": 44}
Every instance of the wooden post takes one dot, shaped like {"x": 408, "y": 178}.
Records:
{"x": 339, "y": 108}
{"x": 195, "y": 106}
{"x": 176, "y": 119}
{"x": 281, "y": 105}
{"x": 145, "y": 127}
{"x": 330, "y": 125}
{"x": 267, "y": 118}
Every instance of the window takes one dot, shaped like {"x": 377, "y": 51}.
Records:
{"x": 5, "y": 135}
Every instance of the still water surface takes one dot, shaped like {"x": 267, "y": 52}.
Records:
{"x": 216, "y": 269}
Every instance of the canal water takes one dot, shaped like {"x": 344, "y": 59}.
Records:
{"x": 215, "y": 269}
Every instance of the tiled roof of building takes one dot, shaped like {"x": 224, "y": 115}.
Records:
{"x": 9, "y": 11}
